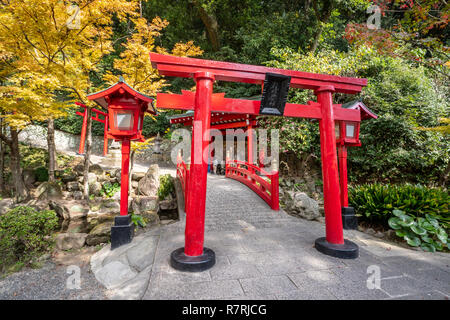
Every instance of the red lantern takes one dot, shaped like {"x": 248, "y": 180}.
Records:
{"x": 126, "y": 108}
{"x": 347, "y": 133}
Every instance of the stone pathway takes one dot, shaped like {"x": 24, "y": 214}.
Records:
{"x": 265, "y": 254}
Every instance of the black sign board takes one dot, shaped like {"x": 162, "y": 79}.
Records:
{"x": 276, "y": 87}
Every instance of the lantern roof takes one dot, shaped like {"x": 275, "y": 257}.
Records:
{"x": 99, "y": 97}
{"x": 359, "y": 105}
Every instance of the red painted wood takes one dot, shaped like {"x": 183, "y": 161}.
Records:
{"x": 84, "y": 126}
{"x": 195, "y": 220}
{"x": 343, "y": 174}
{"x": 83, "y": 132}
{"x": 105, "y": 137}
{"x": 251, "y": 107}
{"x": 245, "y": 173}
{"x": 331, "y": 194}
{"x": 225, "y": 71}
{"x": 124, "y": 177}
{"x": 183, "y": 176}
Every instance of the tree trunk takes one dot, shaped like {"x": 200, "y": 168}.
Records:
{"x": 87, "y": 154}
{"x": 2, "y": 160}
{"x": 16, "y": 171}
{"x": 51, "y": 149}
{"x": 212, "y": 27}
{"x": 317, "y": 38}
{"x": 322, "y": 10}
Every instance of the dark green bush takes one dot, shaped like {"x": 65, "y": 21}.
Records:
{"x": 375, "y": 202}
{"x": 166, "y": 186}
{"x": 25, "y": 234}
{"x": 41, "y": 174}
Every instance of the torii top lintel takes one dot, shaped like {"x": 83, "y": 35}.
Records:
{"x": 226, "y": 71}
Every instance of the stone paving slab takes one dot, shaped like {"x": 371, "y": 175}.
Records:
{"x": 263, "y": 254}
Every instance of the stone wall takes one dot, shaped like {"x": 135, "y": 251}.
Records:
{"x": 36, "y": 136}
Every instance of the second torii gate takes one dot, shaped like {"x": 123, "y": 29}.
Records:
{"x": 194, "y": 257}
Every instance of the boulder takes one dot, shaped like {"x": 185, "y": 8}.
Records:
{"x": 48, "y": 191}
{"x": 77, "y": 211}
{"x": 67, "y": 241}
{"x": 95, "y": 188}
{"x": 96, "y": 169}
{"x": 149, "y": 184}
{"x": 100, "y": 234}
{"x": 77, "y": 195}
{"x": 29, "y": 177}
{"x": 69, "y": 210}
{"x": 134, "y": 184}
{"x": 168, "y": 204}
{"x": 68, "y": 177}
{"x": 110, "y": 206}
{"x": 6, "y": 204}
{"x": 136, "y": 176}
{"x": 92, "y": 178}
{"x": 298, "y": 203}
{"x": 143, "y": 204}
{"x": 73, "y": 186}
{"x": 79, "y": 169}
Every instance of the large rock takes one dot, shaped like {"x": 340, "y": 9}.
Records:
{"x": 29, "y": 177}
{"x": 97, "y": 169}
{"x": 48, "y": 191}
{"x": 149, "y": 184}
{"x": 95, "y": 188}
{"x": 100, "y": 234}
{"x": 110, "y": 206}
{"x": 6, "y": 204}
{"x": 136, "y": 176}
{"x": 69, "y": 210}
{"x": 67, "y": 241}
{"x": 73, "y": 186}
{"x": 142, "y": 204}
{"x": 298, "y": 203}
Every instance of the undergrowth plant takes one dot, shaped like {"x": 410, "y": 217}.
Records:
{"x": 417, "y": 231}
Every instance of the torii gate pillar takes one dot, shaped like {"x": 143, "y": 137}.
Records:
{"x": 194, "y": 257}
{"x": 333, "y": 244}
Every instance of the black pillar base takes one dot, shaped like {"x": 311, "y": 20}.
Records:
{"x": 348, "y": 250}
{"x": 122, "y": 231}
{"x": 349, "y": 219}
{"x": 180, "y": 261}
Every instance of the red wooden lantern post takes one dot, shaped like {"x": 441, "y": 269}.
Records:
{"x": 126, "y": 108}
{"x": 347, "y": 134}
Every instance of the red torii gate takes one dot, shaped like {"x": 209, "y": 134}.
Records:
{"x": 84, "y": 127}
{"x": 193, "y": 256}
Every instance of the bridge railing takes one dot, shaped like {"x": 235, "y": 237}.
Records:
{"x": 264, "y": 185}
{"x": 183, "y": 175}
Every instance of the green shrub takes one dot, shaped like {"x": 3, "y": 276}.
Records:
{"x": 41, "y": 174}
{"x": 166, "y": 186}
{"x": 417, "y": 231}
{"x": 109, "y": 189}
{"x": 25, "y": 234}
{"x": 375, "y": 202}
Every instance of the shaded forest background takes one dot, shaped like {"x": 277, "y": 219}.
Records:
{"x": 407, "y": 78}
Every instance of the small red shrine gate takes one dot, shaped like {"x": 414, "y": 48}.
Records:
{"x": 84, "y": 127}
{"x": 194, "y": 257}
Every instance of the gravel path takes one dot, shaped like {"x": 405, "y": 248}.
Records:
{"x": 49, "y": 283}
